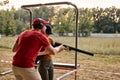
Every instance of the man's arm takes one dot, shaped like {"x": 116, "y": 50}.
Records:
{"x": 15, "y": 47}
{"x": 52, "y": 50}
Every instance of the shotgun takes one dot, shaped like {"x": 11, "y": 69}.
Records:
{"x": 75, "y": 49}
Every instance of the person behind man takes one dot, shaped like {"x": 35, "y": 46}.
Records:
{"x": 27, "y": 47}
{"x": 45, "y": 61}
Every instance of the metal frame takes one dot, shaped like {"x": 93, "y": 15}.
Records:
{"x": 65, "y": 75}
{"x": 5, "y": 72}
{"x": 26, "y": 7}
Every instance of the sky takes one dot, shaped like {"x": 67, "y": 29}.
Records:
{"x": 78, "y": 3}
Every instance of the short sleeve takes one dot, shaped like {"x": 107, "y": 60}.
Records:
{"x": 44, "y": 41}
{"x": 51, "y": 41}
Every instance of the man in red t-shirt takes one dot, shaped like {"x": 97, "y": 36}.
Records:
{"x": 27, "y": 47}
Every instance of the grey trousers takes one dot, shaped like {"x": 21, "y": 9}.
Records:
{"x": 46, "y": 70}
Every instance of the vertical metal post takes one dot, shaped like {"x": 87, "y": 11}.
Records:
{"x": 76, "y": 41}
{"x": 30, "y": 15}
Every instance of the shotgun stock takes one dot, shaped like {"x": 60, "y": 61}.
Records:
{"x": 75, "y": 49}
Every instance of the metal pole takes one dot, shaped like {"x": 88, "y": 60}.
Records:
{"x": 76, "y": 38}
{"x": 5, "y": 72}
{"x": 67, "y": 74}
{"x": 47, "y": 4}
{"x": 30, "y": 15}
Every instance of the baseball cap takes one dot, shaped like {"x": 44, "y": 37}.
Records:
{"x": 40, "y": 21}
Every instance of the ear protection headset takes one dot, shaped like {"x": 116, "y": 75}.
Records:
{"x": 49, "y": 29}
{"x": 40, "y": 25}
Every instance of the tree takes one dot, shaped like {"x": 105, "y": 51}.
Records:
{"x": 64, "y": 21}
{"x": 85, "y": 21}
{"x": 118, "y": 27}
{"x": 9, "y": 24}
{"x": 4, "y": 2}
{"x": 106, "y": 20}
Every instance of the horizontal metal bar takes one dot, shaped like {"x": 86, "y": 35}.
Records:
{"x": 65, "y": 65}
{"x": 47, "y": 4}
{"x": 5, "y": 72}
{"x": 65, "y": 75}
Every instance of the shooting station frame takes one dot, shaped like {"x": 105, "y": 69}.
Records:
{"x": 72, "y": 67}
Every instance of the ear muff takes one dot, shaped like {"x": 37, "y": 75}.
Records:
{"x": 48, "y": 29}
{"x": 40, "y": 26}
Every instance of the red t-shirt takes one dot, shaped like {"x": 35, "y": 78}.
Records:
{"x": 30, "y": 43}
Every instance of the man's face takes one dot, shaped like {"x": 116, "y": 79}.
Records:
{"x": 43, "y": 30}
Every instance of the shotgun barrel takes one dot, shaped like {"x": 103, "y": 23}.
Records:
{"x": 75, "y": 49}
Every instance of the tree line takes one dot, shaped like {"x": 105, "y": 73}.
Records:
{"x": 90, "y": 20}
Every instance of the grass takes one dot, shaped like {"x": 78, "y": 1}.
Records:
{"x": 7, "y": 42}
{"x": 108, "y": 46}
{"x": 99, "y": 67}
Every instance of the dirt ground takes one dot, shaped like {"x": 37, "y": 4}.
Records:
{"x": 98, "y": 67}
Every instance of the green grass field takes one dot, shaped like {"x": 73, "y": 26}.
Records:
{"x": 104, "y": 65}
{"x": 108, "y": 46}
